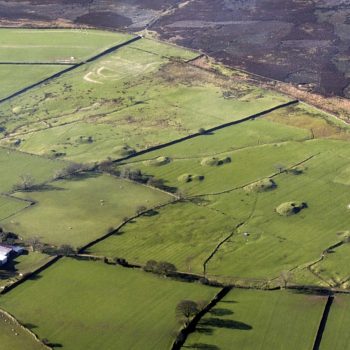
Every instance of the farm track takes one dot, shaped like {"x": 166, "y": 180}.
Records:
{"x": 71, "y": 68}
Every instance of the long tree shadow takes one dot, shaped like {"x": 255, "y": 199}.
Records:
{"x": 221, "y": 312}
{"x": 202, "y": 346}
{"x": 216, "y": 322}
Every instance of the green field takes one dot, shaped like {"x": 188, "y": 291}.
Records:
{"x": 336, "y": 336}
{"x": 113, "y": 307}
{"x": 17, "y": 77}
{"x": 334, "y": 267}
{"x": 247, "y": 319}
{"x": 81, "y": 209}
{"x": 9, "y": 206}
{"x": 22, "y": 265}
{"x": 55, "y": 45}
{"x": 282, "y": 243}
{"x": 13, "y": 337}
{"x": 259, "y": 150}
{"x": 16, "y": 164}
{"x": 139, "y": 96}
{"x": 184, "y": 234}
{"x": 262, "y": 203}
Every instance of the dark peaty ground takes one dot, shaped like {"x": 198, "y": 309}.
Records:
{"x": 299, "y": 41}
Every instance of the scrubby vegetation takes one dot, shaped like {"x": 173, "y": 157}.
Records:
{"x": 290, "y": 208}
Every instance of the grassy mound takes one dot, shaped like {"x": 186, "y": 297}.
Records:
{"x": 124, "y": 150}
{"x": 185, "y": 178}
{"x": 214, "y": 161}
{"x": 290, "y": 208}
{"x": 261, "y": 186}
{"x": 157, "y": 162}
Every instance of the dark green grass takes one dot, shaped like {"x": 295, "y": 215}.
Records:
{"x": 91, "y": 305}
{"x": 247, "y": 319}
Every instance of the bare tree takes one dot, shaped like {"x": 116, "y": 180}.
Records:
{"x": 186, "y": 309}
{"x": 285, "y": 278}
{"x": 25, "y": 183}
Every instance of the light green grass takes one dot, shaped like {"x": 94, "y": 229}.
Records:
{"x": 9, "y": 206}
{"x": 336, "y": 335}
{"x": 247, "y": 165}
{"x": 334, "y": 268}
{"x": 80, "y": 210}
{"x": 15, "y": 164}
{"x": 112, "y": 307}
{"x": 131, "y": 96}
{"x": 54, "y": 45}
{"x": 281, "y": 243}
{"x": 247, "y": 319}
{"x": 17, "y": 77}
{"x": 184, "y": 234}
{"x": 13, "y": 337}
{"x": 21, "y": 265}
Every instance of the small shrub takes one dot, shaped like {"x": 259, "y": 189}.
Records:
{"x": 214, "y": 161}
{"x": 157, "y": 162}
{"x": 185, "y": 178}
{"x": 261, "y": 186}
{"x": 290, "y": 208}
{"x": 124, "y": 151}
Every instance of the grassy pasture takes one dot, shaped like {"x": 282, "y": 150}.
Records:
{"x": 55, "y": 45}
{"x": 247, "y": 165}
{"x": 22, "y": 264}
{"x": 334, "y": 268}
{"x": 15, "y": 164}
{"x": 13, "y": 337}
{"x": 113, "y": 307}
{"x": 336, "y": 335}
{"x": 146, "y": 99}
{"x": 281, "y": 243}
{"x": 17, "y": 77}
{"x": 10, "y": 206}
{"x": 80, "y": 210}
{"x": 183, "y": 233}
{"x": 247, "y": 319}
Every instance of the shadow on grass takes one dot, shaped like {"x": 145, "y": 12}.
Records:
{"x": 202, "y": 346}
{"x": 216, "y": 322}
{"x": 221, "y": 312}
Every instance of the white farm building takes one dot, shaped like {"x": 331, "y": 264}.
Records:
{"x": 7, "y": 250}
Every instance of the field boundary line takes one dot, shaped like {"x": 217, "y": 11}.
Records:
{"x": 83, "y": 249}
{"x": 191, "y": 326}
{"x": 218, "y": 246}
{"x": 252, "y": 182}
{"x": 27, "y": 330}
{"x": 69, "y": 69}
{"x": 323, "y": 322}
{"x": 207, "y": 131}
{"x": 30, "y": 275}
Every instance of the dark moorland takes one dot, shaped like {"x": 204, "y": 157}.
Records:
{"x": 298, "y": 41}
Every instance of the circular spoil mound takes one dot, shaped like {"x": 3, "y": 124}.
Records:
{"x": 124, "y": 150}
{"x": 157, "y": 162}
{"x": 214, "y": 161}
{"x": 185, "y": 178}
{"x": 261, "y": 186}
{"x": 290, "y": 208}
